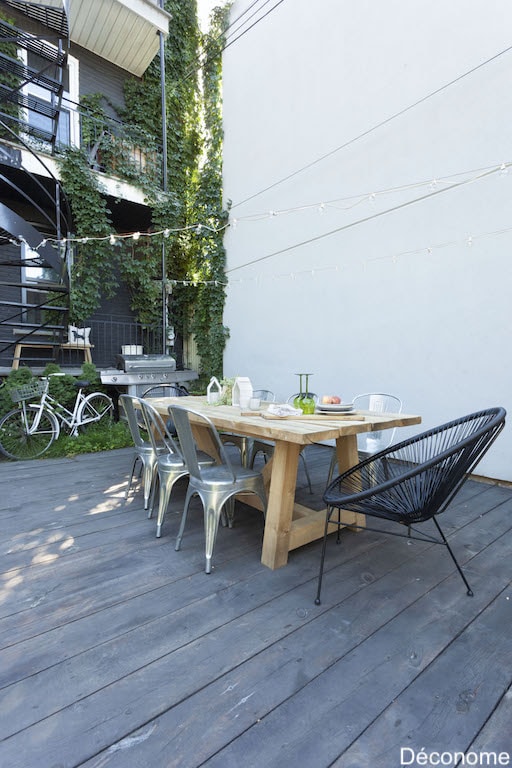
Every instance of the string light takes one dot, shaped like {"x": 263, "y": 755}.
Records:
{"x": 394, "y": 258}
{"x": 363, "y": 220}
{"x": 115, "y": 238}
{"x": 432, "y": 185}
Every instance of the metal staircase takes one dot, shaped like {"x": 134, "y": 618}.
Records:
{"x": 34, "y": 215}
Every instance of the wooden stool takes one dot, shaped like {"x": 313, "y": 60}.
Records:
{"x": 85, "y": 348}
{"x": 27, "y": 345}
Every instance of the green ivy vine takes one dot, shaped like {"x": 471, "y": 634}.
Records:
{"x": 208, "y": 252}
{"x": 193, "y": 197}
{"x": 94, "y": 262}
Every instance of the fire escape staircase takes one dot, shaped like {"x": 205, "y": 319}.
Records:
{"x": 34, "y": 215}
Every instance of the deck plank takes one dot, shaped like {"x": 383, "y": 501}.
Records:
{"x": 117, "y": 651}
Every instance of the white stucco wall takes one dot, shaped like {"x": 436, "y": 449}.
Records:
{"x": 415, "y": 301}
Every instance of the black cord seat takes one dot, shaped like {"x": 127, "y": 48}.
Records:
{"x": 414, "y": 480}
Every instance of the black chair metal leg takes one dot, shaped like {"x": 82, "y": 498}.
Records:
{"x": 468, "y": 588}
{"x": 322, "y": 558}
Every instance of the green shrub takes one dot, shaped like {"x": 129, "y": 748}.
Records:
{"x": 98, "y": 437}
{"x": 102, "y": 436}
{"x": 14, "y": 379}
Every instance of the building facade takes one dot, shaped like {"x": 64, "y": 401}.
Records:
{"x": 52, "y": 55}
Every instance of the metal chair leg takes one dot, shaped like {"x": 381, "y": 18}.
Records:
{"x": 322, "y": 558}
{"x": 468, "y": 588}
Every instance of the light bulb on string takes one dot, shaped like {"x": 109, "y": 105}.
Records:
{"x": 112, "y": 240}
{"x": 166, "y": 232}
{"x": 136, "y": 235}
{"x": 503, "y": 169}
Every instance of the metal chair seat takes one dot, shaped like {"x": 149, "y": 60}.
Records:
{"x": 216, "y": 486}
{"x": 413, "y": 481}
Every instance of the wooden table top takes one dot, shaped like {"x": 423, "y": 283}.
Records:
{"x": 302, "y": 430}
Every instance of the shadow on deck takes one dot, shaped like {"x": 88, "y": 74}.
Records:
{"x": 118, "y": 651}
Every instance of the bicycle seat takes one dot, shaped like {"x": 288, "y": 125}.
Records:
{"x": 81, "y": 383}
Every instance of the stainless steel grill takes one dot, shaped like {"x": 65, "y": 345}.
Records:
{"x": 136, "y": 373}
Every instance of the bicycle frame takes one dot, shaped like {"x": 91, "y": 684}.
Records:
{"x": 61, "y": 413}
{"x": 27, "y": 431}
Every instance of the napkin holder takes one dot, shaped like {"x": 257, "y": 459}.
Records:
{"x": 242, "y": 392}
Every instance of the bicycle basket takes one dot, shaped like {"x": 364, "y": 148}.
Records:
{"x": 27, "y": 391}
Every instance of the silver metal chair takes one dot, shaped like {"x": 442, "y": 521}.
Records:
{"x": 215, "y": 485}
{"x": 372, "y": 442}
{"x": 144, "y": 451}
{"x": 243, "y": 443}
{"x": 166, "y": 390}
{"x": 170, "y": 464}
{"x": 267, "y": 449}
{"x": 265, "y": 395}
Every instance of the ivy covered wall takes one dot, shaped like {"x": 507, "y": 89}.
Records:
{"x": 190, "y": 209}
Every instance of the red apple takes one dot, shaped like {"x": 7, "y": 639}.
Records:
{"x": 335, "y": 400}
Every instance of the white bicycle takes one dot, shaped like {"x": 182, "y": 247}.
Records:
{"x": 28, "y": 431}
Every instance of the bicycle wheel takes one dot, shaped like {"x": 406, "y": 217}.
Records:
{"x": 18, "y": 438}
{"x": 95, "y": 407}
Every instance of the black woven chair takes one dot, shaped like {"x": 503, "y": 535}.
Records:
{"x": 414, "y": 480}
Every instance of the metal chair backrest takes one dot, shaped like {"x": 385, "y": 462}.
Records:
{"x": 266, "y": 395}
{"x": 416, "y": 478}
{"x": 183, "y": 419}
{"x": 166, "y": 390}
{"x": 128, "y": 401}
{"x": 377, "y": 402}
{"x": 158, "y": 432}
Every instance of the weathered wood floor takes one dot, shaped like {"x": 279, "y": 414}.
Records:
{"x": 118, "y": 652}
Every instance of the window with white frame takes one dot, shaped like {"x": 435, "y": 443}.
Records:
{"x": 68, "y": 131}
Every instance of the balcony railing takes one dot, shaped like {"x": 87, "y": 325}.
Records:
{"x": 110, "y": 333}
{"x": 119, "y": 149}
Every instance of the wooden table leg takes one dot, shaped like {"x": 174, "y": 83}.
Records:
{"x": 17, "y": 357}
{"x": 347, "y": 455}
{"x": 280, "y": 504}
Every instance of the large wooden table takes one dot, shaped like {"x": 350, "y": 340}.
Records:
{"x": 289, "y": 525}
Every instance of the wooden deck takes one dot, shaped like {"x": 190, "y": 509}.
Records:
{"x": 119, "y": 652}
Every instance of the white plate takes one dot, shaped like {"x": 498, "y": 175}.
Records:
{"x": 335, "y": 408}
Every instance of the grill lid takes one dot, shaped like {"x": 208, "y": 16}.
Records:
{"x": 145, "y": 363}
